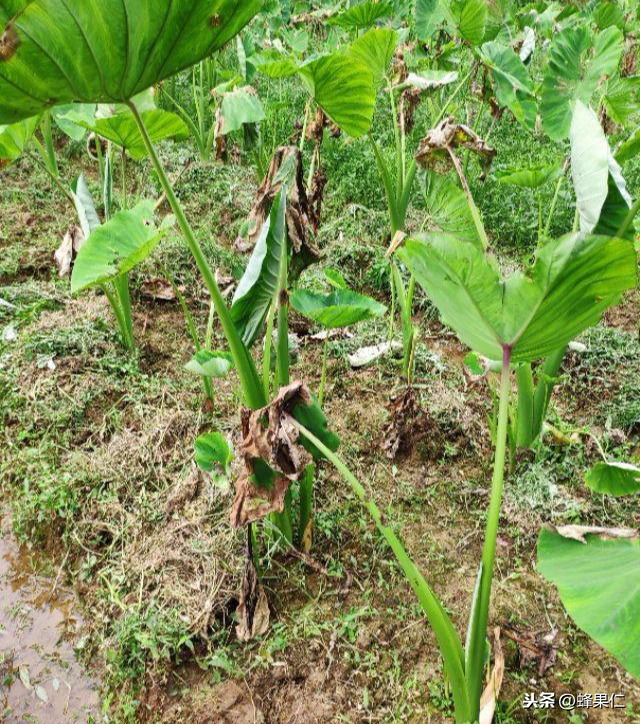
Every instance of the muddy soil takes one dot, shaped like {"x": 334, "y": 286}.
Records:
{"x": 41, "y": 681}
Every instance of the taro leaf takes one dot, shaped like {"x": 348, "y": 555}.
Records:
{"x": 628, "y": 149}
{"x": 340, "y": 308}
{"x": 599, "y": 584}
{"x": 621, "y": 98}
{"x": 576, "y": 67}
{"x": 608, "y": 13}
{"x": 275, "y": 64}
{"x": 239, "y": 107}
{"x": 72, "y": 118}
{"x": 572, "y": 282}
{"x": 431, "y": 79}
{"x": 529, "y": 178}
{"x": 117, "y": 247}
{"x": 601, "y": 192}
{"x": 448, "y": 209}
{"x": 274, "y": 455}
{"x": 375, "y": 50}
{"x": 344, "y": 88}
{"x": 429, "y": 16}
{"x": 123, "y": 130}
{"x": 614, "y": 478}
{"x": 213, "y": 453}
{"x": 85, "y": 208}
{"x": 335, "y": 279}
{"x": 55, "y": 52}
{"x": 210, "y": 364}
{"x": 258, "y": 287}
{"x": 15, "y": 139}
{"x": 512, "y": 85}
{"x": 363, "y": 15}
{"x": 470, "y": 19}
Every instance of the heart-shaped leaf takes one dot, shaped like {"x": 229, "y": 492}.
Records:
{"x": 117, "y": 247}
{"x": 572, "y": 282}
{"x": 59, "y": 51}
{"x": 363, "y": 15}
{"x": 340, "y": 308}
{"x": 15, "y": 138}
{"x": 344, "y": 88}
{"x": 529, "y": 178}
{"x": 213, "y": 453}
{"x": 599, "y": 584}
{"x": 210, "y": 364}
{"x": 512, "y": 84}
{"x": 614, "y": 478}
{"x": 123, "y": 130}
{"x": 375, "y": 50}
{"x": 239, "y": 107}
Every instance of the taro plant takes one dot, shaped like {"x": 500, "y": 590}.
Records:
{"x": 111, "y": 251}
{"x": 339, "y": 309}
{"x": 516, "y": 320}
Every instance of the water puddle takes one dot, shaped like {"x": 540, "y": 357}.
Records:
{"x": 41, "y": 681}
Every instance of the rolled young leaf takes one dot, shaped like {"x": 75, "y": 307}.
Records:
{"x": 55, "y": 52}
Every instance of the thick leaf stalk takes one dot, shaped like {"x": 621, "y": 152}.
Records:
{"x": 249, "y": 377}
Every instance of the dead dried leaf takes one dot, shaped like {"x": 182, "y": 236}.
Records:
{"x": 407, "y": 422}
{"x": 158, "y": 289}
{"x": 366, "y": 355}
{"x": 578, "y": 532}
{"x": 270, "y": 447}
{"x": 253, "y": 609}
{"x": 68, "y": 250}
{"x": 489, "y": 698}
{"x": 536, "y": 649}
{"x": 302, "y": 211}
{"x": 437, "y": 148}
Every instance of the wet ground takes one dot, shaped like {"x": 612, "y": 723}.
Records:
{"x": 41, "y": 681}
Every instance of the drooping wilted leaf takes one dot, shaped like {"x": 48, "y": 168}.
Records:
{"x": 274, "y": 455}
{"x": 59, "y": 51}
{"x": 363, "y": 15}
{"x": 344, "y": 88}
{"x": 123, "y": 130}
{"x": 68, "y": 250}
{"x": 572, "y": 282}
{"x": 601, "y": 192}
{"x": 15, "y": 139}
{"x": 431, "y": 79}
{"x": 448, "y": 209}
{"x": 599, "y": 583}
{"x": 436, "y": 148}
{"x": 375, "y": 50}
{"x": 340, "y": 308}
{"x": 512, "y": 85}
{"x": 529, "y": 178}
{"x": 210, "y": 364}
{"x": 117, "y": 247}
{"x": 614, "y": 478}
{"x": 577, "y": 64}
{"x": 239, "y": 107}
{"x": 253, "y": 606}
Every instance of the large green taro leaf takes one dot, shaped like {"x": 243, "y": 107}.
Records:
{"x": 599, "y": 584}
{"x": 572, "y": 282}
{"x": 59, "y": 51}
